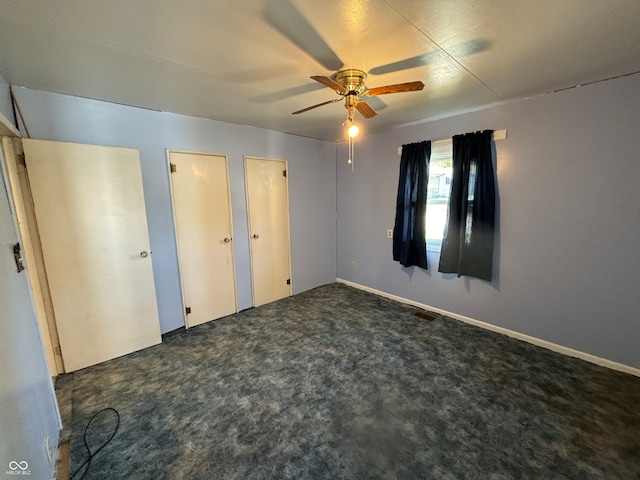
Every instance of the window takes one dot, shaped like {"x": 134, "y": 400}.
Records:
{"x": 439, "y": 188}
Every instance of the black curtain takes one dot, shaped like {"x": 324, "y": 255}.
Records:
{"x": 467, "y": 246}
{"x": 409, "y": 243}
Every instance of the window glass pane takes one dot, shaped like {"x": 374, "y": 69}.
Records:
{"x": 439, "y": 188}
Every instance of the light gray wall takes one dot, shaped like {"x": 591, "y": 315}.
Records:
{"x": 311, "y": 182}
{"x": 567, "y": 262}
{"x": 28, "y": 409}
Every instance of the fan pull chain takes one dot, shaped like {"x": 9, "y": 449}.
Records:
{"x": 352, "y": 132}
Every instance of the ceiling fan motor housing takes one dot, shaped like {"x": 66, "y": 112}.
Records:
{"x": 352, "y": 79}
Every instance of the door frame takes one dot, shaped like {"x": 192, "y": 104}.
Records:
{"x": 246, "y": 188}
{"x": 18, "y": 180}
{"x": 175, "y": 229}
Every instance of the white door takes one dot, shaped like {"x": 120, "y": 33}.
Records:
{"x": 202, "y": 216}
{"x": 91, "y": 217}
{"x": 268, "y": 208}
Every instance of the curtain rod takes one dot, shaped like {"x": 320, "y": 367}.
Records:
{"x": 497, "y": 135}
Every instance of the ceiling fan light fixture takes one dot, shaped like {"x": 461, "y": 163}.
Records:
{"x": 352, "y": 132}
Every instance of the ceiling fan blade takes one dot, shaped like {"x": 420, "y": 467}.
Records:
{"x": 396, "y": 88}
{"x": 284, "y": 17}
{"x": 365, "y": 110}
{"x": 316, "y": 106}
{"x": 460, "y": 50}
{"x": 330, "y": 83}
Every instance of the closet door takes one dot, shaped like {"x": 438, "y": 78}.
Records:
{"x": 268, "y": 208}
{"x": 90, "y": 212}
{"x": 202, "y": 216}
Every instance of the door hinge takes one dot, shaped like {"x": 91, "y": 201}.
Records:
{"x": 172, "y": 167}
{"x": 188, "y": 310}
{"x": 17, "y": 256}
{"x": 284, "y": 173}
{"x": 21, "y": 159}
{"x": 57, "y": 351}
{"x": 288, "y": 281}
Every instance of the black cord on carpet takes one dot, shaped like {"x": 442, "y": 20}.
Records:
{"x": 87, "y": 462}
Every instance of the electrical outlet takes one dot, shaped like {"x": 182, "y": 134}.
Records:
{"x": 389, "y": 233}
{"x": 354, "y": 265}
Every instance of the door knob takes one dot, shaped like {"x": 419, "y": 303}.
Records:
{"x": 255, "y": 235}
{"x": 144, "y": 254}
{"x": 227, "y": 240}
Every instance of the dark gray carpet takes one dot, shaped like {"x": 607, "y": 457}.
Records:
{"x": 336, "y": 383}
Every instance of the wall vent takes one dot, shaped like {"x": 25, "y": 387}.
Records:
{"x": 425, "y": 316}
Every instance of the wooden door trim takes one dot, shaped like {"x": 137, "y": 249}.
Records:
{"x": 17, "y": 177}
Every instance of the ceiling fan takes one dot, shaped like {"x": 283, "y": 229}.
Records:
{"x": 350, "y": 85}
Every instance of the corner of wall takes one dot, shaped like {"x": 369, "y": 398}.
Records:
{"x": 5, "y": 101}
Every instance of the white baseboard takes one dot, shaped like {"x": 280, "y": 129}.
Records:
{"x": 603, "y": 362}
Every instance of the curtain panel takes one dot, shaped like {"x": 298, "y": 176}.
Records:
{"x": 467, "y": 246}
{"x": 409, "y": 242}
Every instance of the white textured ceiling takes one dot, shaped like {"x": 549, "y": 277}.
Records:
{"x": 248, "y": 62}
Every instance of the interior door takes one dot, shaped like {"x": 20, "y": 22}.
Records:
{"x": 202, "y": 217}
{"x": 268, "y": 208}
{"x": 91, "y": 216}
